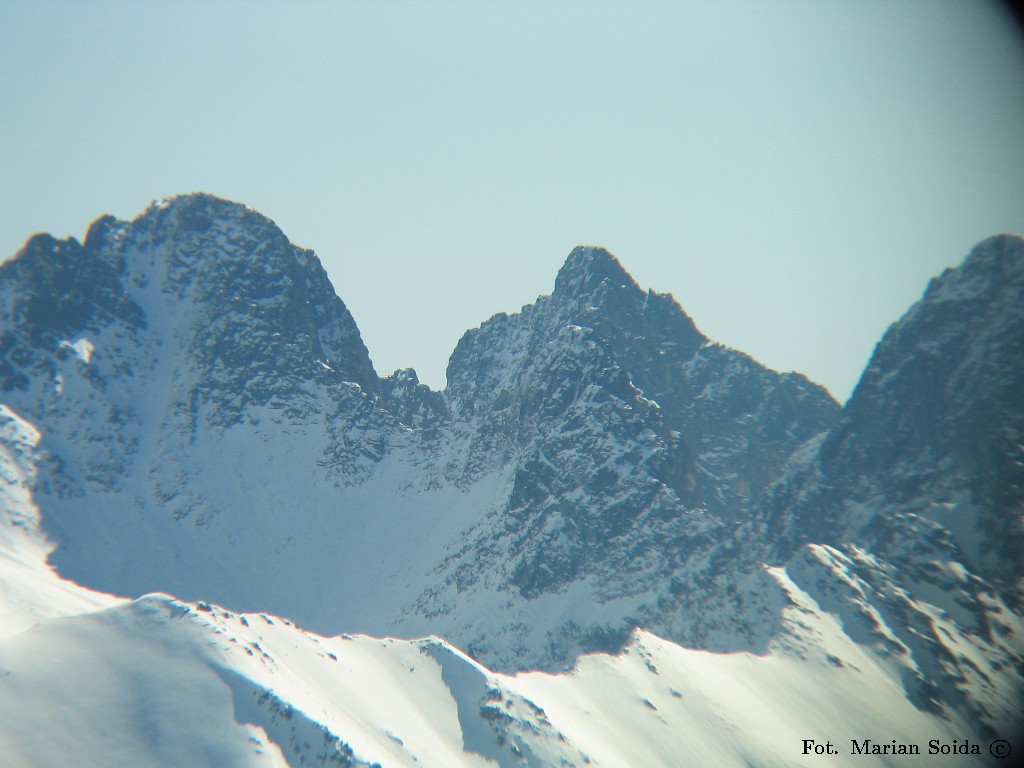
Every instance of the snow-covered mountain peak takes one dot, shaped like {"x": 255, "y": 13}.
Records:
{"x": 634, "y": 443}
{"x": 216, "y": 271}
{"x": 587, "y": 268}
{"x": 1000, "y": 251}
{"x": 198, "y": 213}
{"x": 197, "y": 210}
{"x": 937, "y": 420}
{"x": 992, "y": 271}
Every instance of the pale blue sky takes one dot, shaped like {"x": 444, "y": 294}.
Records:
{"x": 792, "y": 171}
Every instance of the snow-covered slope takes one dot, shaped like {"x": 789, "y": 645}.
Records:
{"x": 157, "y": 682}
{"x": 30, "y": 591}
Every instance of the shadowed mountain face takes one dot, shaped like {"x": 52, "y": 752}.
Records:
{"x": 937, "y": 421}
{"x": 934, "y": 433}
{"x": 212, "y": 427}
{"x": 917, "y": 491}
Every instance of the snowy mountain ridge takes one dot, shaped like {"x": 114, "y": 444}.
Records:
{"x": 188, "y": 409}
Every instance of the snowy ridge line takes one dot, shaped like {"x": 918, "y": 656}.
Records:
{"x": 277, "y": 695}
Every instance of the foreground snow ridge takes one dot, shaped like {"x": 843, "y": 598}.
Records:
{"x": 159, "y": 682}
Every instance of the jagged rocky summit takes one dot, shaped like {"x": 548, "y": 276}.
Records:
{"x": 212, "y": 427}
{"x": 907, "y": 516}
{"x": 933, "y": 436}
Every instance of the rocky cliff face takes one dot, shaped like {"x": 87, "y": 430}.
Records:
{"x": 937, "y": 422}
{"x": 916, "y": 491}
{"x": 211, "y": 426}
{"x": 634, "y": 445}
{"x": 931, "y": 437}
